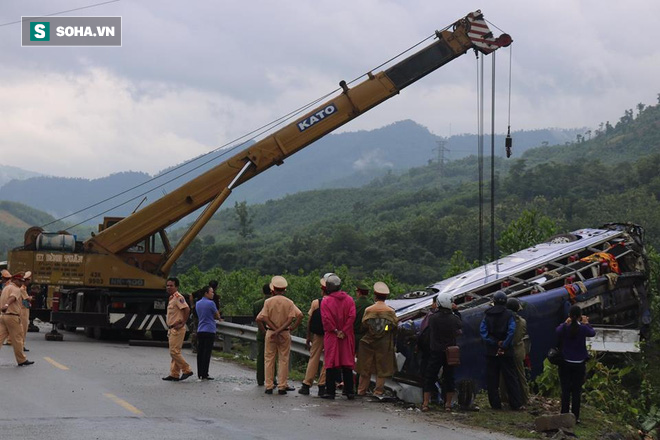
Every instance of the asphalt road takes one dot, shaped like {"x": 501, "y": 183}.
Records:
{"x": 85, "y": 389}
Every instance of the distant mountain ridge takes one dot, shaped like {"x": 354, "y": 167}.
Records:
{"x": 9, "y": 173}
{"x": 15, "y": 218}
{"x": 348, "y": 159}
{"x": 61, "y": 196}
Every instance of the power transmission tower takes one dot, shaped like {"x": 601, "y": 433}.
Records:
{"x": 441, "y": 149}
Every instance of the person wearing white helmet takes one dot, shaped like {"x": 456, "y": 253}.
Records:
{"x": 443, "y": 327}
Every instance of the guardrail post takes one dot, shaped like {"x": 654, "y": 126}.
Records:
{"x": 254, "y": 350}
{"x": 226, "y": 344}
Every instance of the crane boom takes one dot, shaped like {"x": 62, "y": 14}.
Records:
{"x": 468, "y": 33}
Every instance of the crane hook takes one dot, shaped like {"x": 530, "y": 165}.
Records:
{"x": 508, "y": 142}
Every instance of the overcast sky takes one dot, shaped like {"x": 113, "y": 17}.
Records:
{"x": 193, "y": 75}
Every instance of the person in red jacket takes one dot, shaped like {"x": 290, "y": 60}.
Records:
{"x": 338, "y": 316}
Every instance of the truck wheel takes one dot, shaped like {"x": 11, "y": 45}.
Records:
{"x": 99, "y": 333}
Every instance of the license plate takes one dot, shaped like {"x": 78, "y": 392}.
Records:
{"x": 160, "y": 305}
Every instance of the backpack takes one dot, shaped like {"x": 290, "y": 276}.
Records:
{"x": 315, "y": 323}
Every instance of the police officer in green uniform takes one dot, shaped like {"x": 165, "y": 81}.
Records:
{"x": 261, "y": 335}
{"x": 362, "y": 301}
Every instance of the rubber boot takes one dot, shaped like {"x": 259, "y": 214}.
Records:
{"x": 321, "y": 390}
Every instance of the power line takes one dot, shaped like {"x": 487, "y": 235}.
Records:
{"x": 263, "y": 130}
{"x": 63, "y": 12}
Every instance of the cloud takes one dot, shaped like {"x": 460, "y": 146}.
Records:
{"x": 371, "y": 160}
{"x": 95, "y": 123}
{"x": 191, "y": 77}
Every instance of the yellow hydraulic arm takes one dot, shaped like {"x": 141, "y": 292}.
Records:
{"x": 214, "y": 186}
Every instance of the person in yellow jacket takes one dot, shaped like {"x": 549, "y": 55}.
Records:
{"x": 376, "y": 350}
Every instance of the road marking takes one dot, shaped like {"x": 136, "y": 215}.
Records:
{"x": 124, "y": 404}
{"x": 55, "y": 363}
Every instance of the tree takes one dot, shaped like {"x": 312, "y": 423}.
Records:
{"x": 608, "y": 128}
{"x": 458, "y": 264}
{"x": 529, "y": 229}
{"x": 208, "y": 240}
{"x": 626, "y": 119}
{"x": 244, "y": 219}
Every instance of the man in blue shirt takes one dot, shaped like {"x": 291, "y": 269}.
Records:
{"x": 207, "y": 313}
{"x": 497, "y": 330}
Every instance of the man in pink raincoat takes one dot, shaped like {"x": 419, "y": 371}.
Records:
{"x": 338, "y": 316}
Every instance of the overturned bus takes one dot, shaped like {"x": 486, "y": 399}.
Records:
{"x": 603, "y": 270}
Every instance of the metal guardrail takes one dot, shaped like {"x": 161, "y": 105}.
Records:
{"x": 230, "y": 330}
{"x": 249, "y": 333}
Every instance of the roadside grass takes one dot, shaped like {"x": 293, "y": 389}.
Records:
{"x": 594, "y": 425}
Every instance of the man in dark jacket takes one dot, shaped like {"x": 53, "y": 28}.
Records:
{"x": 497, "y": 330}
{"x": 443, "y": 327}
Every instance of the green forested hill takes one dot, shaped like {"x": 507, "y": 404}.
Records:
{"x": 410, "y": 224}
{"x": 635, "y": 135}
{"x": 15, "y": 218}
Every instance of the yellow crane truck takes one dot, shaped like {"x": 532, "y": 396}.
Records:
{"x": 115, "y": 280}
